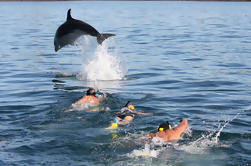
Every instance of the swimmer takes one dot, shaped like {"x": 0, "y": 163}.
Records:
{"x": 126, "y": 115}
{"x": 166, "y": 132}
{"x": 90, "y": 98}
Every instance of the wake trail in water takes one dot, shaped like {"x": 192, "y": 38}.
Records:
{"x": 206, "y": 141}
{"x": 98, "y": 63}
{"x": 199, "y": 146}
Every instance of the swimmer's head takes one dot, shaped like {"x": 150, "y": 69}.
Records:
{"x": 164, "y": 126}
{"x": 91, "y": 92}
{"x": 130, "y": 106}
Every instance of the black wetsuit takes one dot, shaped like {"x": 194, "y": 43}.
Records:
{"x": 125, "y": 112}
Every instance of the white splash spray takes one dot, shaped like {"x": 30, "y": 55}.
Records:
{"x": 98, "y": 63}
{"x": 202, "y": 145}
{"x": 206, "y": 141}
{"x": 146, "y": 152}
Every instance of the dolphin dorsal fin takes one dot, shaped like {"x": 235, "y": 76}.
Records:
{"x": 69, "y": 15}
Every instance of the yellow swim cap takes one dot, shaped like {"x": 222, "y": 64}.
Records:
{"x": 131, "y": 107}
{"x": 161, "y": 129}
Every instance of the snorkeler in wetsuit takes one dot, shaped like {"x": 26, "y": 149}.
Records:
{"x": 126, "y": 115}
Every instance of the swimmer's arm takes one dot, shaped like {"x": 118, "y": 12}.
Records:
{"x": 143, "y": 113}
{"x": 182, "y": 126}
{"x": 123, "y": 122}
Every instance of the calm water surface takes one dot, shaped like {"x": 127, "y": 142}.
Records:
{"x": 176, "y": 60}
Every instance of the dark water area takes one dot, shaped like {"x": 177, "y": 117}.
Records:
{"x": 176, "y": 60}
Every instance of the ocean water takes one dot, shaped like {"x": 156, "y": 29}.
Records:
{"x": 173, "y": 59}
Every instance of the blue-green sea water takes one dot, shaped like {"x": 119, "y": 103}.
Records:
{"x": 173, "y": 59}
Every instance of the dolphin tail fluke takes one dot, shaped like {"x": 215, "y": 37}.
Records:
{"x": 103, "y": 36}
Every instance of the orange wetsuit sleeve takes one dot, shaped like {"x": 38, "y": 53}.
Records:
{"x": 82, "y": 100}
{"x": 181, "y": 127}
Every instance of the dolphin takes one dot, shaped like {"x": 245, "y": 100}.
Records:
{"x": 72, "y": 29}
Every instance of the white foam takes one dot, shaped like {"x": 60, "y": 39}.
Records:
{"x": 77, "y": 107}
{"x": 202, "y": 145}
{"x": 146, "y": 152}
{"x": 206, "y": 141}
{"x": 149, "y": 149}
{"x": 158, "y": 141}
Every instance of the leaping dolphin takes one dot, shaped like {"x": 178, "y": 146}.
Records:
{"x": 71, "y": 29}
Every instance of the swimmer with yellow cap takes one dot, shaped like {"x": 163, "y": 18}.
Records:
{"x": 164, "y": 126}
{"x": 125, "y": 116}
{"x": 166, "y": 132}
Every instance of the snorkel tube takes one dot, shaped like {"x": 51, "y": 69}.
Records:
{"x": 127, "y": 104}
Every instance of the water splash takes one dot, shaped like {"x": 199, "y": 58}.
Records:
{"x": 206, "y": 141}
{"x": 149, "y": 149}
{"x": 86, "y": 107}
{"x": 98, "y": 63}
{"x": 146, "y": 152}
